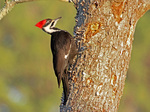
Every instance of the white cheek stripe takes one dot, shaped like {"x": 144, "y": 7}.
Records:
{"x": 47, "y": 29}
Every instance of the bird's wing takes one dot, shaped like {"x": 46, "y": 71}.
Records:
{"x": 67, "y": 46}
{"x": 59, "y": 64}
{"x": 60, "y": 45}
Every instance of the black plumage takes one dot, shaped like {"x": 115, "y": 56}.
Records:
{"x": 62, "y": 44}
{"x": 63, "y": 49}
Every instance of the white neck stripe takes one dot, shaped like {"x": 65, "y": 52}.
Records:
{"x": 51, "y": 30}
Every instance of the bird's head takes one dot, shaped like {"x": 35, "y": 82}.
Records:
{"x": 48, "y": 25}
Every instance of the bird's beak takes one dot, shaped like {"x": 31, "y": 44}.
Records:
{"x": 57, "y": 19}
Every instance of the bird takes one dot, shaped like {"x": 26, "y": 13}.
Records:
{"x": 63, "y": 48}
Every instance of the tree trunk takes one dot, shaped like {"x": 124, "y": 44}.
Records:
{"x": 105, "y": 28}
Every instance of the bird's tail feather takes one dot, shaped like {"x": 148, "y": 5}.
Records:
{"x": 65, "y": 87}
{"x": 59, "y": 80}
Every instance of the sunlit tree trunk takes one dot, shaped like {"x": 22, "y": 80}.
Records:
{"x": 105, "y": 28}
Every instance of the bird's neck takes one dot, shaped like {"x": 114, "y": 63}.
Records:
{"x": 51, "y": 30}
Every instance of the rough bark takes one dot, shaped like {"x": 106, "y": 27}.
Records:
{"x": 8, "y": 6}
{"x": 105, "y": 28}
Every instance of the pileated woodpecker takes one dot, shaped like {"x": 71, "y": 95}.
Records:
{"x": 63, "y": 49}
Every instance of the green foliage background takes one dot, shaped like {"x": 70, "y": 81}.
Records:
{"x": 27, "y": 80}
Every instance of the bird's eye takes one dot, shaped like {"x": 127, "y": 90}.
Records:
{"x": 47, "y": 23}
